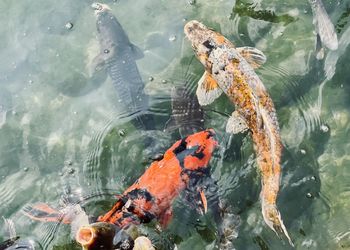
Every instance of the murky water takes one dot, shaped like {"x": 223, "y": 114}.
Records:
{"x": 62, "y": 135}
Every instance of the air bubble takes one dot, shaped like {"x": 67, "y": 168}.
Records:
{"x": 71, "y": 171}
{"x": 69, "y": 26}
{"x": 324, "y": 128}
{"x": 172, "y": 38}
{"x": 122, "y": 132}
{"x": 191, "y": 2}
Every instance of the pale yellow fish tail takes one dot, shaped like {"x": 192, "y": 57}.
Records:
{"x": 273, "y": 219}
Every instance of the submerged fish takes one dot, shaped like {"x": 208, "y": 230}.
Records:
{"x": 187, "y": 115}
{"x": 150, "y": 197}
{"x": 14, "y": 241}
{"x": 118, "y": 57}
{"x": 230, "y": 70}
{"x": 324, "y": 27}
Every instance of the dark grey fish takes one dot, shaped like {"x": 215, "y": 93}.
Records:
{"x": 118, "y": 57}
{"x": 324, "y": 26}
{"x": 14, "y": 241}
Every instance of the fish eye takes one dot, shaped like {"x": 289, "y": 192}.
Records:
{"x": 208, "y": 44}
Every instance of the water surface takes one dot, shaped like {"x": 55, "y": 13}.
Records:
{"x": 61, "y": 134}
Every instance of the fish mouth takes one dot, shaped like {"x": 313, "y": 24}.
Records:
{"x": 194, "y": 29}
{"x": 100, "y": 7}
{"x": 85, "y": 236}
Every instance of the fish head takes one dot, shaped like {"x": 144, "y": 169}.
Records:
{"x": 194, "y": 151}
{"x": 100, "y": 7}
{"x": 103, "y": 235}
{"x": 204, "y": 40}
{"x": 110, "y": 32}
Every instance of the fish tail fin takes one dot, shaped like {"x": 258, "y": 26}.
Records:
{"x": 43, "y": 212}
{"x": 272, "y": 218}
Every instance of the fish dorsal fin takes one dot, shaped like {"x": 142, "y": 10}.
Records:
{"x": 208, "y": 90}
{"x": 252, "y": 55}
{"x": 137, "y": 52}
{"x": 10, "y": 226}
{"x": 170, "y": 124}
{"x": 236, "y": 124}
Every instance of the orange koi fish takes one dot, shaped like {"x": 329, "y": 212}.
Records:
{"x": 230, "y": 70}
{"x": 150, "y": 197}
{"x": 152, "y": 194}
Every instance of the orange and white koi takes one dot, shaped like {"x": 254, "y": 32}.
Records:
{"x": 230, "y": 70}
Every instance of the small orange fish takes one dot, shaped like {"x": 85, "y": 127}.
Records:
{"x": 230, "y": 70}
{"x": 150, "y": 197}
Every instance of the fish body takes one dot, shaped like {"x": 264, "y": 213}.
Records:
{"x": 151, "y": 196}
{"x": 324, "y": 26}
{"x": 118, "y": 57}
{"x": 230, "y": 70}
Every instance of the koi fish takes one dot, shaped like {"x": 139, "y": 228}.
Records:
{"x": 152, "y": 194}
{"x": 230, "y": 70}
{"x": 118, "y": 57}
{"x": 326, "y": 34}
{"x": 150, "y": 197}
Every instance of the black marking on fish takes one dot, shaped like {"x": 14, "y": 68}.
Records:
{"x": 199, "y": 154}
{"x": 140, "y": 193}
{"x": 182, "y": 146}
{"x": 208, "y": 45}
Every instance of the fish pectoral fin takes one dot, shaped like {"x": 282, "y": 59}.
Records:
{"x": 45, "y": 213}
{"x": 319, "y": 48}
{"x": 204, "y": 201}
{"x": 236, "y": 124}
{"x": 97, "y": 64}
{"x": 166, "y": 217}
{"x": 208, "y": 90}
{"x": 253, "y": 56}
{"x": 10, "y": 226}
{"x": 170, "y": 124}
{"x": 137, "y": 52}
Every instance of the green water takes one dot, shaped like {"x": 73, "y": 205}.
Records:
{"x": 60, "y": 134}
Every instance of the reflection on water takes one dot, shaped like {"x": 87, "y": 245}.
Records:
{"x": 61, "y": 134}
